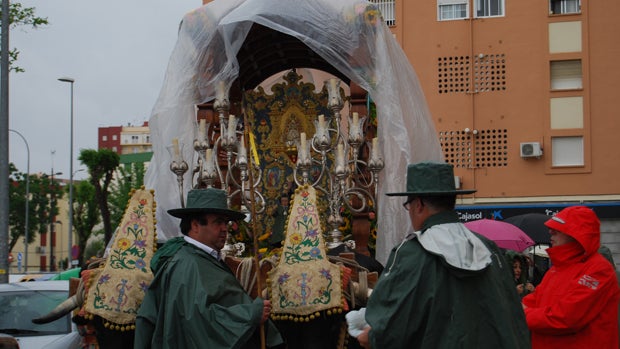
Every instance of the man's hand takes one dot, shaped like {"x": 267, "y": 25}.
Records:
{"x": 266, "y": 311}
{"x": 363, "y": 338}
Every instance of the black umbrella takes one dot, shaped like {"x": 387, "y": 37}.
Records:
{"x": 533, "y": 224}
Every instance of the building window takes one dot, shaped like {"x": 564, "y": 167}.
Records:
{"x": 566, "y": 113}
{"x": 386, "y": 7}
{"x": 562, "y": 7}
{"x": 114, "y": 137}
{"x": 104, "y": 138}
{"x": 452, "y": 9}
{"x": 567, "y": 151}
{"x": 489, "y": 8}
{"x": 566, "y": 75}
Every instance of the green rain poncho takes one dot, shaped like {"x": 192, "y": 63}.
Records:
{"x": 196, "y": 302}
{"x": 445, "y": 287}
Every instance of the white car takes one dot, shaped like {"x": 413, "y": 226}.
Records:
{"x": 23, "y": 301}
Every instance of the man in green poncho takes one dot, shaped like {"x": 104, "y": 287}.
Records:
{"x": 443, "y": 286}
{"x": 195, "y": 301}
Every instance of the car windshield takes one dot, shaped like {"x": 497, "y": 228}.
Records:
{"x": 17, "y": 309}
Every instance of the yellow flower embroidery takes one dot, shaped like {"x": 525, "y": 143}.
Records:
{"x": 296, "y": 238}
{"x": 123, "y": 243}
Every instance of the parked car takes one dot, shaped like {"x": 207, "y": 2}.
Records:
{"x": 31, "y": 277}
{"x": 21, "y": 302}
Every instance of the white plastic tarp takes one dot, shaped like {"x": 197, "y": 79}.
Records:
{"x": 345, "y": 34}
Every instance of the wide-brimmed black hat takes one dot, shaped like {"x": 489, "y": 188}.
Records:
{"x": 208, "y": 200}
{"x": 430, "y": 179}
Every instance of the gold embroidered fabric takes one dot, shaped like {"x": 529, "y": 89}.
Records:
{"x": 116, "y": 292}
{"x": 304, "y": 281}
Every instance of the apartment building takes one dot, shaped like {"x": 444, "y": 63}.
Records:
{"x": 524, "y": 95}
{"x": 125, "y": 139}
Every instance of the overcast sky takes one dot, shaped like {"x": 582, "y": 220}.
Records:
{"x": 117, "y": 52}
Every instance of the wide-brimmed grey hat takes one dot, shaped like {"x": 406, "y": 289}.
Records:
{"x": 431, "y": 179}
{"x": 208, "y": 200}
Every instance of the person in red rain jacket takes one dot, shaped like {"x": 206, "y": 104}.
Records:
{"x": 576, "y": 304}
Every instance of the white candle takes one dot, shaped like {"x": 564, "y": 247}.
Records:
{"x": 232, "y": 125}
{"x": 202, "y": 129}
{"x": 321, "y": 122}
{"x": 175, "y": 147}
{"x": 356, "y": 119}
{"x": 302, "y": 146}
{"x": 209, "y": 161}
{"x": 220, "y": 92}
{"x": 340, "y": 157}
{"x": 242, "y": 151}
{"x": 374, "y": 155}
{"x": 334, "y": 84}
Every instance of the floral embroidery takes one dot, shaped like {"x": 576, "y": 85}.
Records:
{"x": 121, "y": 284}
{"x": 304, "y": 282}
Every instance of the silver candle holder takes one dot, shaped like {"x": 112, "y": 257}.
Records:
{"x": 346, "y": 182}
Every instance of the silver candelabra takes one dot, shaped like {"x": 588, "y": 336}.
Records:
{"x": 344, "y": 182}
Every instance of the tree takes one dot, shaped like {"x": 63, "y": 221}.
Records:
{"x": 21, "y": 16}
{"x": 130, "y": 176}
{"x": 85, "y": 215}
{"x": 40, "y": 207}
{"x": 101, "y": 166}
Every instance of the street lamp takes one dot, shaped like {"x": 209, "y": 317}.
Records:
{"x": 70, "y": 240}
{"x": 52, "y": 222}
{"x": 27, "y": 201}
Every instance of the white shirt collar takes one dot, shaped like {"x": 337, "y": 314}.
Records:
{"x": 203, "y": 247}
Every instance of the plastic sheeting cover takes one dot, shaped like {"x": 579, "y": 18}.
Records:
{"x": 347, "y": 35}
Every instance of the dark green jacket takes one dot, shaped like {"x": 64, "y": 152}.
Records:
{"x": 422, "y": 302}
{"x": 196, "y": 302}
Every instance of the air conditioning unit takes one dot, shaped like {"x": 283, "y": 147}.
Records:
{"x": 530, "y": 150}
{"x": 40, "y": 249}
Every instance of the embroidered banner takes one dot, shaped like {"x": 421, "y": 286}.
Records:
{"x": 116, "y": 292}
{"x": 304, "y": 281}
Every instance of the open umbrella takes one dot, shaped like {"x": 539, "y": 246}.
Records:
{"x": 533, "y": 224}
{"x": 505, "y": 235}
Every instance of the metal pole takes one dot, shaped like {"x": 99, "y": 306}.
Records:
{"x": 51, "y": 267}
{"x": 52, "y": 216}
{"x": 27, "y": 202}
{"x": 4, "y": 145}
{"x": 70, "y": 231}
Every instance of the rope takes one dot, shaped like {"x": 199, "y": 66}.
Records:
{"x": 244, "y": 274}
{"x": 245, "y": 270}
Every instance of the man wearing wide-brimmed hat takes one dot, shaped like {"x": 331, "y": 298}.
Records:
{"x": 195, "y": 301}
{"x": 443, "y": 286}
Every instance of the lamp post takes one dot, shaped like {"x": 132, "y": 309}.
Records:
{"x": 27, "y": 201}
{"x": 70, "y": 240}
{"x": 52, "y": 221}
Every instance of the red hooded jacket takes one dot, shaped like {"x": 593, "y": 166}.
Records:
{"x": 576, "y": 304}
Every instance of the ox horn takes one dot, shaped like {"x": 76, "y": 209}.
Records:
{"x": 63, "y": 308}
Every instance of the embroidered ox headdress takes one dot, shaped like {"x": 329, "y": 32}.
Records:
{"x": 116, "y": 290}
{"x": 304, "y": 282}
